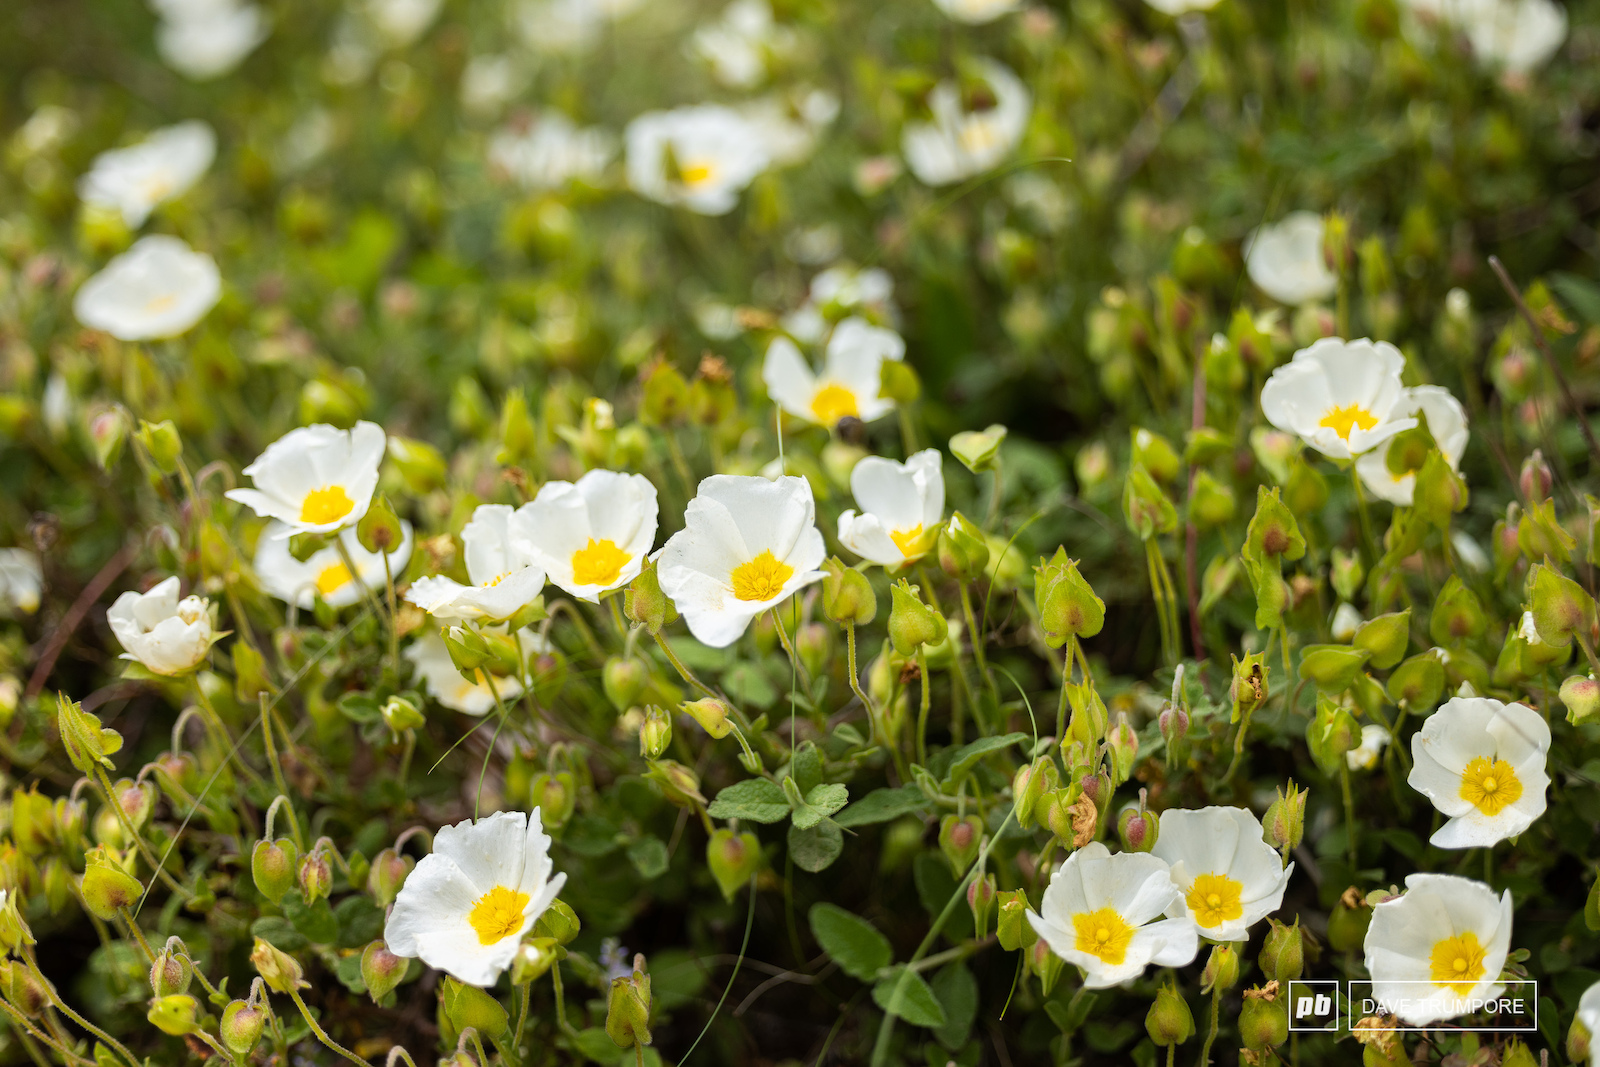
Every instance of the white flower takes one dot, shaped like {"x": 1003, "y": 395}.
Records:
{"x": 747, "y": 544}
{"x": 1589, "y": 1016}
{"x": 316, "y": 478}
{"x": 1181, "y": 7}
{"x": 162, "y": 167}
{"x": 489, "y": 82}
{"x": 1346, "y": 621}
{"x": 475, "y": 696}
{"x": 901, "y": 505}
{"x": 21, "y": 580}
{"x": 1447, "y": 422}
{"x": 850, "y": 380}
{"x": 963, "y": 141}
{"x": 699, "y": 157}
{"x": 1438, "y": 946}
{"x": 592, "y": 536}
{"x": 401, "y": 22}
{"x": 1285, "y": 259}
{"x": 1481, "y": 762}
{"x": 1103, "y": 913}
{"x": 1364, "y": 757}
{"x": 158, "y": 288}
{"x": 209, "y": 40}
{"x": 976, "y": 11}
{"x": 836, "y": 292}
{"x": 1516, "y": 35}
{"x": 324, "y": 572}
{"x": 166, "y": 635}
{"x": 504, "y": 576}
{"x": 551, "y": 152}
{"x": 1341, "y": 397}
{"x": 737, "y": 45}
{"x": 789, "y": 123}
{"x": 1228, "y": 878}
{"x": 557, "y": 27}
{"x": 468, "y": 903}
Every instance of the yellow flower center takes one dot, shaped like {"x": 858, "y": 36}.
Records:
{"x": 909, "y": 542}
{"x": 761, "y": 578}
{"x": 978, "y": 136}
{"x": 1103, "y": 934}
{"x": 331, "y": 578}
{"x": 598, "y": 562}
{"x": 1214, "y": 899}
{"x": 497, "y": 914}
{"x": 697, "y": 173}
{"x": 1457, "y": 962}
{"x": 328, "y": 504}
{"x": 833, "y": 402}
{"x": 496, "y": 580}
{"x": 157, "y": 304}
{"x": 1490, "y": 786}
{"x": 1343, "y": 420}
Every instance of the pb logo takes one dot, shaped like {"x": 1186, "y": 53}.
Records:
{"x": 1313, "y": 1005}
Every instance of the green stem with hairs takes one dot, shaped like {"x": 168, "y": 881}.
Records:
{"x": 1205, "y": 1050}
{"x": 322, "y": 1035}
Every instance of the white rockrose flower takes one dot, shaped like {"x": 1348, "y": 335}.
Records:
{"x": 591, "y": 536}
{"x": 698, "y": 157}
{"x": 400, "y": 22}
{"x": 164, "y": 634}
{"x": 1447, "y": 422}
{"x": 850, "y": 381}
{"x": 789, "y": 123}
{"x": 1343, "y": 398}
{"x": 564, "y": 27}
{"x": 1228, "y": 877}
{"x": 505, "y": 576}
{"x": 552, "y": 151}
{"x": 21, "y": 580}
{"x": 470, "y": 696}
{"x": 746, "y": 546}
{"x": 836, "y": 293}
{"x": 1365, "y": 756}
{"x": 1103, "y": 913}
{"x": 158, "y": 288}
{"x": 966, "y": 137}
{"x": 468, "y": 903}
{"x": 489, "y": 83}
{"x": 315, "y": 478}
{"x": 1285, "y": 260}
{"x": 1181, "y": 7}
{"x": 133, "y": 181}
{"x": 1482, "y": 763}
{"x": 738, "y": 45}
{"x": 1518, "y": 36}
{"x": 1589, "y": 1016}
{"x": 1438, "y": 947}
{"x": 902, "y": 505}
{"x": 325, "y": 572}
{"x": 977, "y": 12}
{"x": 208, "y": 40}
{"x": 1346, "y": 621}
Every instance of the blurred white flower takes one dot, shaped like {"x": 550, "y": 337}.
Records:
{"x": 475, "y": 696}
{"x": 162, "y": 167}
{"x": 1589, "y": 1016}
{"x": 324, "y": 572}
{"x": 698, "y": 157}
{"x": 790, "y": 123}
{"x": 902, "y": 505}
{"x": 400, "y": 22}
{"x": 468, "y": 903}
{"x": 1346, "y": 621}
{"x": 1518, "y": 36}
{"x": 307, "y": 141}
{"x": 1343, "y": 398}
{"x": 1228, "y": 877}
{"x": 505, "y": 578}
{"x": 551, "y": 151}
{"x": 21, "y": 580}
{"x": 1364, "y": 756}
{"x": 167, "y": 635}
{"x": 1447, "y": 422}
{"x": 1285, "y": 259}
{"x": 851, "y": 377}
{"x": 835, "y": 293}
{"x": 746, "y": 546}
{"x": 738, "y": 45}
{"x": 1482, "y": 763}
{"x": 967, "y": 137}
{"x": 158, "y": 288}
{"x": 1438, "y": 947}
{"x": 558, "y": 27}
{"x": 205, "y": 39}
{"x": 1103, "y": 913}
{"x": 315, "y": 478}
{"x": 489, "y": 83}
{"x": 977, "y": 11}
{"x": 591, "y": 536}
{"x": 1181, "y": 7}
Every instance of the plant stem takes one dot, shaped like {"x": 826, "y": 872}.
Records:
{"x": 788, "y": 646}
{"x": 63, "y": 1008}
{"x": 1205, "y": 1050}
{"x": 322, "y": 1034}
{"x": 104, "y": 785}
{"x": 683, "y": 672}
{"x": 1349, "y": 814}
{"x": 925, "y": 704}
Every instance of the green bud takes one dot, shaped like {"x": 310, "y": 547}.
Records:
{"x": 14, "y": 932}
{"x": 556, "y": 796}
{"x": 1145, "y": 506}
{"x": 1331, "y": 667}
{"x": 624, "y": 681}
{"x": 1204, "y": 444}
{"x": 107, "y": 888}
{"x": 1067, "y": 606}
{"x": 847, "y": 596}
{"x": 277, "y": 968}
{"x": 107, "y": 426}
{"x": 22, "y": 990}
{"x": 1541, "y": 534}
{"x": 1331, "y": 733}
{"x": 977, "y": 451}
{"x": 1122, "y": 745}
{"x": 1578, "y": 1040}
{"x": 1138, "y": 829}
{"x": 1093, "y": 466}
{"x": 273, "y": 865}
{"x": 898, "y": 381}
{"x": 1581, "y": 695}
{"x": 1347, "y": 573}
{"x": 1386, "y": 637}
{"x": 628, "y": 1008}
{"x": 1046, "y": 964}
{"x": 381, "y": 969}
{"x": 82, "y": 736}
{"x": 1033, "y": 781}
{"x": 387, "y": 873}
{"x": 466, "y": 1006}
{"x": 1212, "y": 503}
{"x": 558, "y": 922}
{"x": 1458, "y": 616}
{"x": 161, "y": 443}
{"x": 534, "y": 957}
{"x": 655, "y": 733}
{"x": 733, "y": 859}
{"x": 315, "y": 875}
{"x": 963, "y": 552}
{"x": 982, "y": 897}
{"x": 1419, "y": 681}
{"x": 379, "y": 529}
{"x": 422, "y": 467}
{"x": 712, "y": 715}
{"x": 1221, "y": 970}
{"x": 645, "y": 604}
{"x": 174, "y": 1015}
{"x": 1517, "y": 1054}
{"x": 468, "y": 649}
{"x": 1273, "y": 532}
{"x": 1347, "y": 925}
{"x": 519, "y": 439}
{"x": 1561, "y": 608}
{"x": 1251, "y": 683}
{"x": 1439, "y": 491}
{"x": 1169, "y": 1021}
{"x": 959, "y": 840}
{"x": 241, "y": 1027}
{"x": 1012, "y": 927}
{"x": 1285, "y": 821}
{"x": 1155, "y": 454}
{"x": 399, "y": 714}
{"x": 1264, "y": 1019}
{"x": 813, "y": 644}
{"x": 1282, "y": 956}
{"x": 171, "y": 972}
{"x": 665, "y": 399}
{"x": 912, "y": 623}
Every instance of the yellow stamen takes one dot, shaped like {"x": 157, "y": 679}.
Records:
{"x": 978, "y": 136}
{"x": 1490, "y": 786}
{"x": 328, "y": 504}
{"x": 1103, "y": 934}
{"x": 160, "y": 303}
{"x": 1342, "y": 420}
{"x": 331, "y": 578}
{"x": 498, "y": 914}
{"x": 598, "y": 562}
{"x": 833, "y": 402}
{"x": 1457, "y": 962}
{"x": 761, "y": 578}
{"x": 909, "y": 542}
{"x": 696, "y": 174}
{"x": 1214, "y": 899}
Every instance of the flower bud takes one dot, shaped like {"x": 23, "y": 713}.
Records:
{"x": 1285, "y": 821}
{"x": 1419, "y": 681}
{"x": 978, "y": 451}
{"x": 558, "y": 922}
{"x": 1093, "y": 466}
{"x": 1347, "y": 924}
{"x": 108, "y": 427}
{"x": 1138, "y": 828}
{"x": 813, "y": 643}
{"x": 171, "y": 972}
{"x": 1540, "y": 533}
{"x": 399, "y": 714}
{"x": 534, "y": 957}
{"x": 22, "y": 990}
{"x": 1169, "y": 1020}
{"x": 963, "y": 553}
{"x": 1046, "y": 964}
{"x": 277, "y": 968}
{"x": 1458, "y": 616}
{"x": 1146, "y": 508}
{"x": 379, "y": 529}
{"x": 1561, "y": 608}
{"x": 898, "y": 381}
{"x": 381, "y": 969}
{"x": 959, "y": 840}
{"x": 1212, "y": 503}
{"x": 14, "y": 932}
{"x": 912, "y": 623}
{"x": 1282, "y": 956}
{"x": 1347, "y": 573}
{"x": 86, "y": 742}
{"x": 1578, "y": 1039}
{"x": 628, "y": 1008}
{"x": 645, "y": 604}
{"x": 1535, "y": 479}
{"x": 1122, "y": 745}
{"x": 274, "y": 865}
{"x": 982, "y": 897}
{"x": 655, "y": 733}
{"x": 1156, "y": 454}
{"x": 1386, "y": 637}
{"x": 107, "y": 888}
{"x": 387, "y": 874}
{"x": 624, "y": 681}
{"x": 242, "y": 1023}
{"x": 1221, "y": 970}
{"x": 711, "y": 714}
{"x": 847, "y": 596}
{"x": 1012, "y": 927}
{"x": 1250, "y": 684}
{"x": 1331, "y": 668}
{"x": 733, "y": 859}
{"x": 1031, "y": 783}
{"x": 422, "y": 467}
{"x": 1067, "y": 605}
{"x": 1264, "y": 1018}
{"x": 1581, "y": 695}
{"x": 468, "y": 650}
{"x": 175, "y": 1015}
{"x": 315, "y": 875}
{"x": 556, "y": 796}
{"x": 1331, "y": 733}
{"x": 465, "y": 1006}
{"x": 1273, "y": 533}
{"x": 1174, "y": 723}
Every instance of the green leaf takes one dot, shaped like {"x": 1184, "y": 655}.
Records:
{"x": 821, "y": 802}
{"x": 746, "y": 683}
{"x": 957, "y": 992}
{"x": 649, "y": 857}
{"x": 754, "y": 799}
{"x": 360, "y": 921}
{"x": 279, "y": 932}
{"x": 850, "y": 941}
{"x": 815, "y": 849}
{"x": 904, "y": 993}
{"x": 348, "y": 972}
{"x": 806, "y": 766}
{"x": 968, "y": 756}
{"x": 315, "y": 921}
{"x": 881, "y": 805}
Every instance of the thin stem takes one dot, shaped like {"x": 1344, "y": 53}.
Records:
{"x": 1066, "y": 680}
{"x": 996, "y": 491}
{"x": 271, "y": 747}
{"x": 322, "y": 1035}
{"x": 979, "y": 658}
{"x": 526, "y": 989}
{"x": 683, "y": 672}
{"x": 394, "y": 615}
{"x": 788, "y": 646}
{"x": 926, "y": 703}
{"x": 1368, "y": 542}
{"x": 220, "y": 734}
{"x": 561, "y": 1002}
{"x": 1349, "y": 814}
{"x": 136, "y": 933}
{"x": 104, "y": 785}
{"x": 65, "y": 1009}
{"x": 1205, "y": 1050}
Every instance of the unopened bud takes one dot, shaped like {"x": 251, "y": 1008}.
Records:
{"x": 277, "y": 968}
{"x": 1122, "y": 745}
{"x": 733, "y": 859}
{"x": 467, "y": 648}
{"x": 400, "y": 715}
{"x": 628, "y": 1008}
{"x": 556, "y": 797}
{"x": 847, "y": 596}
{"x": 1138, "y": 828}
{"x": 1331, "y": 733}
{"x": 963, "y": 553}
{"x": 1285, "y": 821}
{"x": 1264, "y": 1018}
{"x": 1068, "y": 607}
{"x": 1012, "y": 928}
{"x": 1046, "y": 964}
{"x": 1386, "y": 637}
{"x": 559, "y": 922}
{"x": 1169, "y": 1021}
{"x": 161, "y": 443}
{"x": 813, "y": 644}
{"x": 959, "y": 840}
{"x": 1174, "y": 723}
{"x": 315, "y": 875}
{"x": 1221, "y": 970}
{"x": 1032, "y": 782}
{"x": 387, "y": 874}
{"x": 381, "y": 969}
{"x": 107, "y": 888}
{"x": 380, "y": 529}
{"x": 241, "y": 1027}
{"x": 624, "y": 681}
{"x": 978, "y": 450}
{"x": 1578, "y": 1039}
{"x": 534, "y": 957}
{"x": 1283, "y": 951}
{"x": 982, "y": 898}
{"x": 22, "y": 990}
{"x": 1347, "y": 923}
{"x": 711, "y": 714}
{"x": 912, "y": 623}
{"x": 645, "y": 603}
{"x": 176, "y": 1015}
{"x": 171, "y": 972}
{"x": 1347, "y": 573}
{"x": 1581, "y": 695}
{"x": 655, "y": 733}
{"x": 1535, "y": 479}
